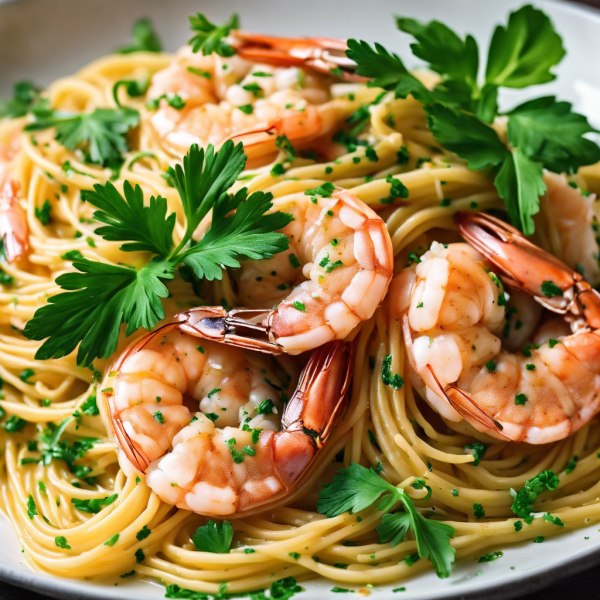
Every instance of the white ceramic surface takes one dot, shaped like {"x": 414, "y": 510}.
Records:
{"x": 42, "y": 40}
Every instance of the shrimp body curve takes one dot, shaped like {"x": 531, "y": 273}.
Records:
{"x": 452, "y": 308}
{"x": 209, "y": 426}
{"x": 339, "y": 266}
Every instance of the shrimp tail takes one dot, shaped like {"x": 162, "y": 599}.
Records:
{"x": 321, "y": 54}
{"x": 317, "y": 405}
{"x": 462, "y": 402}
{"x": 238, "y": 327}
{"x": 528, "y": 268}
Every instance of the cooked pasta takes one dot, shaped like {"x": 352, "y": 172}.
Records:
{"x": 48, "y": 472}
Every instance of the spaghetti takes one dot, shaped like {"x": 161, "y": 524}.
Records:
{"x": 382, "y": 425}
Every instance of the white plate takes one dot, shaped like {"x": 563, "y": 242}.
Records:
{"x": 42, "y": 40}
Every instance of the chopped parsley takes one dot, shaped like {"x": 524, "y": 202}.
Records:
{"x": 329, "y": 265}
{"x": 143, "y": 533}
{"x": 61, "y": 542}
{"x": 550, "y": 289}
{"x": 43, "y": 214}
{"x": 523, "y": 499}
{"x": 111, "y": 541}
{"x": 520, "y": 399}
{"x": 491, "y": 556}
{"x": 265, "y": 407}
{"x": 477, "y": 449}
{"x": 392, "y": 379}
{"x": 31, "y": 507}
{"x": 94, "y": 505}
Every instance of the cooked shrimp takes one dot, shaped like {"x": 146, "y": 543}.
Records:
{"x": 339, "y": 264}
{"x": 453, "y": 311}
{"x": 320, "y": 54}
{"x": 571, "y": 213}
{"x": 207, "y": 424}
{"x": 274, "y": 101}
{"x": 13, "y": 219}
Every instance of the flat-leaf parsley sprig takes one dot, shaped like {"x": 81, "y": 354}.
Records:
{"x": 542, "y": 133}
{"x": 356, "y": 488}
{"x": 99, "y": 135}
{"x": 100, "y": 297}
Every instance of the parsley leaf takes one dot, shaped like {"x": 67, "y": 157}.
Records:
{"x": 144, "y": 39}
{"x": 25, "y": 96}
{"x": 247, "y": 232}
{"x": 106, "y": 296}
{"x": 204, "y": 178}
{"x": 523, "y": 499}
{"x": 101, "y": 297}
{"x": 547, "y": 131}
{"x": 100, "y": 133}
{"x": 523, "y": 52}
{"x": 520, "y": 184}
{"x": 443, "y": 49}
{"x": 393, "y": 528}
{"x": 128, "y": 219}
{"x": 433, "y": 537}
{"x": 466, "y": 136}
{"x": 55, "y": 448}
{"x": 386, "y": 70}
{"x": 209, "y": 38}
{"x": 541, "y": 133}
{"x": 214, "y": 537}
{"x": 356, "y": 488}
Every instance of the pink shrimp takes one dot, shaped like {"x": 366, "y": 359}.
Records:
{"x": 340, "y": 263}
{"x": 452, "y": 310}
{"x": 207, "y": 424}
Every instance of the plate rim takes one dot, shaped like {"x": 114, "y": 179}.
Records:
{"x": 541, "y": 578}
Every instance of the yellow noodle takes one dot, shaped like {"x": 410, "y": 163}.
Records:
{"x": 381, "y": 425}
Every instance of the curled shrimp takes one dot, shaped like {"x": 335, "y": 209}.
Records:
{"x": 255, "y": 102}
{"x": 453, "y": 311}
{"x": 13, "y": 219}
{"x": 339, "y": 264}
{"x": 208, "y": 424}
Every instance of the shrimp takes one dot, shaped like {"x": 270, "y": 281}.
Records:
{"x": 572, "y": 214}
{"x": 232, "y": 98}
{"x": 320, "y": 54}
{"x": 208, "y": 425}
{"x": 339, "y": 263}
{"x": 452, "y": 310}
{"x": 13, "y": 219}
